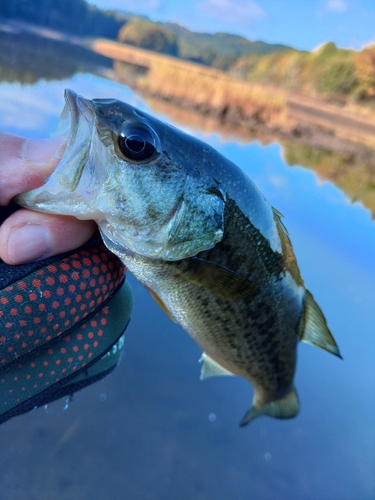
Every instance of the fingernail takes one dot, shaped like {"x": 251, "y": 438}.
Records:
{"x": 42, "y": 150}
{"x": 28, "y": 243}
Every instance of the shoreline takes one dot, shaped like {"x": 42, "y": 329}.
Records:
{"x": 303, "y": 119}
{"x": 334, "y": 142}
{"x": 225, "y": 97}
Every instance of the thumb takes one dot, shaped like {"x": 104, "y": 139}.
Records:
{"x": 25, "y": 163}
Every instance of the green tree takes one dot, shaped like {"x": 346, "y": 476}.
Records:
{"x": 148, "y": 35}
{"x": 365, "y": 72}
{"x": 70, "y": 16}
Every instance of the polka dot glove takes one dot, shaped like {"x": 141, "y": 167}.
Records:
{"x": 61, "y": 325}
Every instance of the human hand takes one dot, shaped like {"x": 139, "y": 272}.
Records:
{"x": 72, "y": 322}
{"x": 26, "y": 235}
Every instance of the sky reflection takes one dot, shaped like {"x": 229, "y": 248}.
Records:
{"x": 154, "y": 428}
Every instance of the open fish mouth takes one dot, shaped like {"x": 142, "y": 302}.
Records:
{"x": 151, "y": 206}
{"x": 60, "y": 194}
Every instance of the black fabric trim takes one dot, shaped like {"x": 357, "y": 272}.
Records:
{"x": 52, "y": 394}
{"x": 61, "y": 388}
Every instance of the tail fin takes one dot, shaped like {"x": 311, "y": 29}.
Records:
{"x": 287, "y": 407}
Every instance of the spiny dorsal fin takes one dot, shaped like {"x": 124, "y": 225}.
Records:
{"x": 313, "y": 328}
{"x": 218, "y": 279}
{"x": 278, "y": 214}
{"x": 160, "y": 303}
{"x": 210, "y": 368}
{"x": 287, "y": 407}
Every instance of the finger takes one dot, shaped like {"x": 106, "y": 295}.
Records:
{"x": 25, "y": 163}
{"x": 27, "y": 236}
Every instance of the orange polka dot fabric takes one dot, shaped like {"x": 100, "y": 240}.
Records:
{"x": 53, "y": 365}
{"x": 45, "y": 304}
{"x": 54, "y": 326}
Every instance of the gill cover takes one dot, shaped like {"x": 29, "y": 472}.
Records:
{"x": 121, "y": 170}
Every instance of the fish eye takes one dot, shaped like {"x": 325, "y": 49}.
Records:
{"x": 137, "y": 143}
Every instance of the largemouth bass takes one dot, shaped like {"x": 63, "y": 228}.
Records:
{"x": 193, "y": 228}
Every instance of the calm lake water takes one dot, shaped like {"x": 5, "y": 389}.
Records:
{"x": 152, "y": 430}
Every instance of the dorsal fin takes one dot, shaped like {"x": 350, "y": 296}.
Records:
{"x": 287, "y": 407}
{"x": 210, "y": 368}
{"x": 278, "y": 214}
{"x": 313, "y": 329}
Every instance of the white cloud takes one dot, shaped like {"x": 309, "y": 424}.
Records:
{"x": 337, "y": 6}
{"x": 242, "y": 12}
{"x": 42, "y": 102}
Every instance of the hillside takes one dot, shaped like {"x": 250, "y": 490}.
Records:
{"x": 220, "y": 50}
{"x": 70, "y": 16}
{"x": 339, "y": 75}
{"x": 316, "y": 134}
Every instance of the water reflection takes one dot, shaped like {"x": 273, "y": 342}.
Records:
{"x": 353, "y": 172}
{"x": 153, "y": 437}
{"x": 26, "y": 58}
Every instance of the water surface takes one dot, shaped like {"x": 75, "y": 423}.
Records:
{"x": 152, "y": 430}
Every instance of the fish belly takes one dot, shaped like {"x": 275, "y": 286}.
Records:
{"x": 244, "y": 336}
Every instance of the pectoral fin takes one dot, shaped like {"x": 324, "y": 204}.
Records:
{"x": 218, "y": 279}
{"x": 288, "y": 407}
{"x": 313, "y": 329}
{"x": 160, "y": 303}
{"x": 211, "y": 369}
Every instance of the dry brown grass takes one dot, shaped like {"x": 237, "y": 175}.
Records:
{"x": 224, "y": 96}
{"x": 197, "y": 87}
{"x": 227, "y": 103}
{"x": 229, "y": 99}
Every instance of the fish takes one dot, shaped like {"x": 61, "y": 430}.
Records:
{"x": 194, "y": 229}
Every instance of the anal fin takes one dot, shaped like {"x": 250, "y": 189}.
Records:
{"x": 211, "y": 369}
{"x": 287, "y": 407}
{"x": 313, "y": 328}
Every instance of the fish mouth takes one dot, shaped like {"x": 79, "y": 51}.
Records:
{"x": 59, "y": 194}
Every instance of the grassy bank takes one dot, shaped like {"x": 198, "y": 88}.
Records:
{"x": 207, "y": 90}
{"x": 229, "y": 99}
{"x": 210, "y": 93}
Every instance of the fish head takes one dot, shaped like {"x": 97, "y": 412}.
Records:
{"x": 137, "y": 177}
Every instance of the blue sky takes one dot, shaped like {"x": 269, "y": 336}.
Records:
{"x": 303, "y": 24}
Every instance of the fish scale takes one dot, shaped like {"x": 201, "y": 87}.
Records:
{"x": 248, "y": 323}
{"x": 193, "y": 228}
